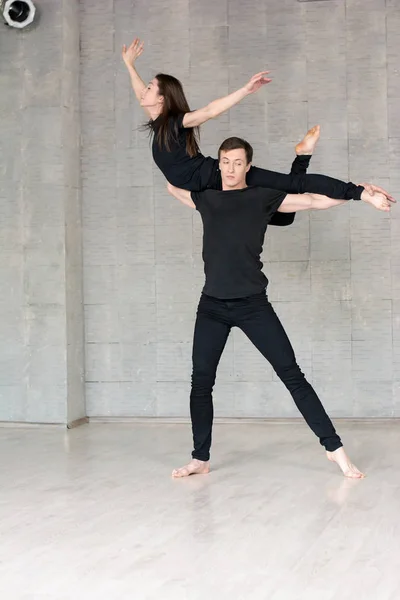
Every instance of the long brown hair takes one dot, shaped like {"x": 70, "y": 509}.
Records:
{"x": 174, "y": 104}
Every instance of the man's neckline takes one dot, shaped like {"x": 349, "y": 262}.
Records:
{"x": 248, "y": 187}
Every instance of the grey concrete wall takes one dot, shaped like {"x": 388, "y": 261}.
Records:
{"x": 41, "y": 353}
{"x": 334, "y": 277}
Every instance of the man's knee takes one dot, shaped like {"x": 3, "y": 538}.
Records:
{"x": 290, "y": 374}
{"x": 202, "y": 383}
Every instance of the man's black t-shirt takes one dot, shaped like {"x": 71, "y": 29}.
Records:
{"x": 180, "y": 169}
{"x": 235, "y": 223}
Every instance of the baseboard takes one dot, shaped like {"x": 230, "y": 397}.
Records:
{"x": 237, "y": 420}
{"x": 23, "y": 425}
{"x": 186, "y": 421}
{"x": 77, "y": 423}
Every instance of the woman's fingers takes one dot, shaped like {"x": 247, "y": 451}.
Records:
{"x": 260, "y": 74}
{"x": 138, "y": 46}
{"x": 135, "y": 49}
{"x": 134, "y": 43}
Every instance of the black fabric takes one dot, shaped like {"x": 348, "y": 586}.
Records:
{"x": 301, "y": 183}
{"x": 235, "y": 223}
{"x": 299, "y": 166}
{"x": 198, "y": 173}
{"x": 297, "y": 182}
{"x": 257, "y": 319}
{"x": 183, "y": 171}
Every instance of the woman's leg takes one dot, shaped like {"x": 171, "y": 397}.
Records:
{"x": 304, "y": 151}
{"x": 301, "y": 183}
{"x": 298, "y": 182}
{"x": 300, "y": 164}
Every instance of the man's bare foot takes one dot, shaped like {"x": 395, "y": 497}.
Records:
{"x": 307, "y": 144}
{"x": 340, "y": 457}
{"x": 195, "y": 467}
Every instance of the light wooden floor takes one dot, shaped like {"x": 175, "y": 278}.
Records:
{"x": 93, "y": 514}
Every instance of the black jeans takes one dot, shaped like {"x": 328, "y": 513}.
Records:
{"x": 255, "y": 316}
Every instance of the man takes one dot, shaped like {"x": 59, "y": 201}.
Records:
{"x": 235, "y": 221}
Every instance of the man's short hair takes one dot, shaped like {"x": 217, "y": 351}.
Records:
{"x": 233, "y": 143}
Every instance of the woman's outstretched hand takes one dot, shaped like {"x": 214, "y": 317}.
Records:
{"x": 257, "y": 81}
{"x": 133, "y": 52}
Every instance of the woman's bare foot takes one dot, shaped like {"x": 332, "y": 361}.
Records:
{"x": 340, "y": 457}
{"x": 195, "y": 467}
{"x": 307, "y": 144}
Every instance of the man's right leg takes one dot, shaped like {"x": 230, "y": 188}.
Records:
{"x": 210, "y": 334}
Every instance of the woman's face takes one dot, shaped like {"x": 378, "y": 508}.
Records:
{"x": 151, "y": 97}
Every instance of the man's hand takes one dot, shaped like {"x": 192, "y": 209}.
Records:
{"x": 371, "y": 189}
{"x": 130, "y": 54}
{"x": 378, "y": 200}
{"x": 256, "y": 82}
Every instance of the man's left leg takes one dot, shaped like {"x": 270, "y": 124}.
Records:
{"x": 264, "y": 329}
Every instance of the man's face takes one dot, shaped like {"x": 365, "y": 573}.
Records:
{"x": 151, "y": 96}
{"x": 233, "y": 166}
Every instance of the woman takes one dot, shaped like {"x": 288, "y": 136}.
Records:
{"x": 176, "y": 132}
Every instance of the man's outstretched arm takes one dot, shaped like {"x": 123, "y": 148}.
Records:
{"x": 296, "y": 202}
